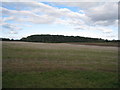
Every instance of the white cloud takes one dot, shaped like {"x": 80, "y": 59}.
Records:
{"x": 100, "y": 13}
{"x": 61, "y": 0}
{"x": 47, "y": 14}
{"x": 8, "y": 18}
{"x": 82, "y": 5}
{"x": 10, "y": 26}
{"x": 40, "y": 13}
{"x": 104, "y": 14}
{"x": 104, "y": 29}
{"x": 13, "y": 32}
{"x": 93, "y": 28}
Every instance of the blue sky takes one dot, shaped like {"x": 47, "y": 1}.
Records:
{"x": 97, "y": 20}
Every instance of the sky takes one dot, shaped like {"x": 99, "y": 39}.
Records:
{"x": 88, "y": 19}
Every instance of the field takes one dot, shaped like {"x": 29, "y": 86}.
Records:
{"x": 59, "y": 65}
{"x": 112, "y": 44}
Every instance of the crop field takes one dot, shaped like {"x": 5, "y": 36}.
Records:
{"x": 59, "y": 65}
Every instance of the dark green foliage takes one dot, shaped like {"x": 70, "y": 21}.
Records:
{"x": 4, "y": 39}
{"x": 60, "y": 39}
{"x": 46, "y": 38}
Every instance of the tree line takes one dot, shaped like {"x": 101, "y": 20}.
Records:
{"x": 46, "y": 38}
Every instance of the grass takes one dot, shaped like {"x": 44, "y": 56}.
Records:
{"x": 39, "y": 65}
{"x": 113, "y": 44}
{"x": 60, "y": 79}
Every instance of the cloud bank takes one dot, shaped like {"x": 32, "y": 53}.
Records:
{"x": 93, "y": 16}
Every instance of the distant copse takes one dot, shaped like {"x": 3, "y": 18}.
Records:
{"x": 46, "y": 38}
{"x": 60, "y": 39}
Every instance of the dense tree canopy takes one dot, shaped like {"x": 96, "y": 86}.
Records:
{"x": 46, "y": 38}
{"x": 60, "y": 39}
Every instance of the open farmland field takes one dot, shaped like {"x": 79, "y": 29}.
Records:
{"x": 59, "y": 65}
{"x": 111, "y": 44}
